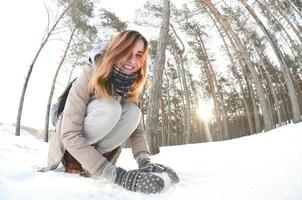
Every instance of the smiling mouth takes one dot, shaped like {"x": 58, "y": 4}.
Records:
{"x": 128, "y": 67}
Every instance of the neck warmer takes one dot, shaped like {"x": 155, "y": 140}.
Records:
{"x": 122, "y": 82}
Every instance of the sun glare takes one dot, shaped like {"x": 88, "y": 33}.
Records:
{"x": 205, "y": 110}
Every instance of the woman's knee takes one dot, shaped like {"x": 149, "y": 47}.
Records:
{"x": 101, "y": 108}
{"x": 102, "y": 116}
{"x": 127, "y": 124}
{"x": 131, "y": 112}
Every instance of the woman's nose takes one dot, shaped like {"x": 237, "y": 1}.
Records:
{"x": 131, "y": 59}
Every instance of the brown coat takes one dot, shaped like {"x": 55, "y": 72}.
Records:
{"x": 69, "y": 131}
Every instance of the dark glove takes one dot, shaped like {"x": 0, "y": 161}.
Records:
{"x": 139, "y": 181}
{"x": 147, "y": 166}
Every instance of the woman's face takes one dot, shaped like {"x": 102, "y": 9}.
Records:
{"x": 132, "y": 62}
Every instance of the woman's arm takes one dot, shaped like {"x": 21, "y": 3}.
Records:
{"x": 138, "y": 141}
{"x": 72, "y": 126}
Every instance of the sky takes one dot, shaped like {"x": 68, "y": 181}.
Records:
{"x": 20, "y": 37}
{"x": 266, "y": 166}
{"x": 23, "y": 25}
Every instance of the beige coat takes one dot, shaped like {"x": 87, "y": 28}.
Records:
{"x": 69, "y": 131}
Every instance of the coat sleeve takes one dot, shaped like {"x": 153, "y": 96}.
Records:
{"x": 72, "y": 125}
{"x": 138, "y": 141}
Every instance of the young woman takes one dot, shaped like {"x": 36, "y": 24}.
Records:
{"x": 101, "y": 113}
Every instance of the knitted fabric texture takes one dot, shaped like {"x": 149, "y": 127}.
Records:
{"x": 122, "y": 82}
{"x": 139, "y": 181}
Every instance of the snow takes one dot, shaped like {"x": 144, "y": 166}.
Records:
{"x": 266, "y": 166}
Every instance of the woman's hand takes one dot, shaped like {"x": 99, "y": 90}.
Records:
{"x": 147, "y": 166}
{"x": 139, "y": 181}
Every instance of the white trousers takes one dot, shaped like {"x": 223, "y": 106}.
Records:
{"x": 108, "y": 124}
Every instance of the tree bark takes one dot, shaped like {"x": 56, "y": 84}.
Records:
{"x": 169, "y": 132}
{"x": 293, "y": 45}
{"x": 270, "y": 84}
{"x": 217, "y": 94}
{"x": 53, "y": 85}
{"x": 268, "y": 125}
{"x": 31, "y": 66}
{"x": 293, "y": 6}
{"x": 284, "y": 15}
{"x": 284, "y": 67}
{"x": 235, "y": 72}
{"x": 254, "y": 103}
{"x": 262, "y": 66}
{"x": 178, "y": 56}
{"x": 155, "y": 90}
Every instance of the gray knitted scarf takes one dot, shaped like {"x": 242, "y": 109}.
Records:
{"x": 122, "y": 82}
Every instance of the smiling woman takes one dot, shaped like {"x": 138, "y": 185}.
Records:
{"x": 101, "y": 113}
{"x": 205, "y": 110}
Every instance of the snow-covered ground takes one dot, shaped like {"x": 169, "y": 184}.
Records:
{"x": 267, "y": 166}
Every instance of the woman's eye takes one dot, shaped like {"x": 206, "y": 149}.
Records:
{"x": 139, "y": 55}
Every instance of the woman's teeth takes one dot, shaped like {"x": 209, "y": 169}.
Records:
{"x": 128, "y": 67}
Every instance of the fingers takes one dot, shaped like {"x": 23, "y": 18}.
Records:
{"x": 159, "y": 168}
{"x": 147, "y": 168}
{"x": 152, "y": 167}
{"x": 172, "y": 174}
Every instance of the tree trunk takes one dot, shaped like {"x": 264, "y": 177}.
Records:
{"x": 254, "y": 104}
{"x": 293, "y": 46}
{"x": 293, "y": 6}
{"x": 163, "y": 122}
{"x": 187, "y": 105}
{"x": 213, "y": 86}
{"x": 155, "y": 90}
{"x": 250, "y": 90}
{"x": 210, "y": 78}
{"x": 276, "y": 100}
{"x": 263, "y": 103}
{"x": 169, "y": 132}
{"x": 299, "y": 90}
{"x": 270, "y": 84}
{"x": 284, "y": 67}
{"x": 199, "y": 126}
{"x": 247, "y": 109}
{"x": 178, "y": 56}
{"x": 217, "y": 95}
{"x": 53, "y": 85}
{"x": 182, "y": 122}
{"x": 44, "y": 41}
{"x": 235, "y": 72}
{"x": 259, "y": 54}
{"x": 284, "y": 15}
{"x": 72, "y": 69}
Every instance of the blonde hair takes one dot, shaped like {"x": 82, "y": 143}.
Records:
{"x": 120, "y": 46}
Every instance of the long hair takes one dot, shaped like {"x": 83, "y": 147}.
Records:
{"x": 120, "y": 46}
